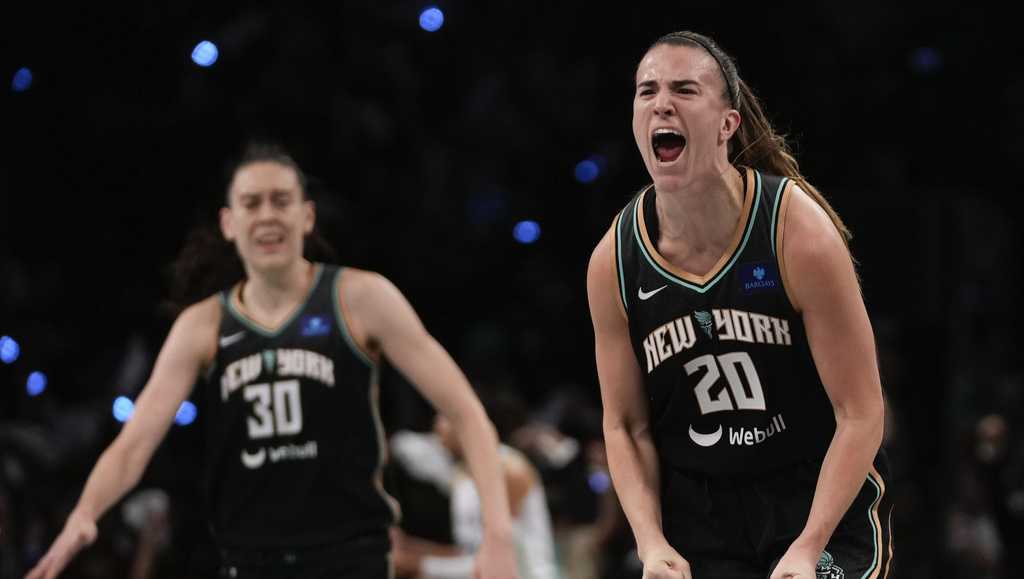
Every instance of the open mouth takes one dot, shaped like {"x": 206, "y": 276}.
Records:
{"x": 268, "y": 240}
{"x": 667, "y": 144}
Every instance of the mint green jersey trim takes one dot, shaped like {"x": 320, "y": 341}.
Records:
{"x": 343, "y": 326}
{"x": 618, "y": 261}
{"x": 775, "y": 211}
{"x": 736, "y": 254}
{"x": 874, "y": 528}
{"x": 226, "y": 300}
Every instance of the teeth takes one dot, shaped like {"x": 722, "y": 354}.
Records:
{"x": 667, "y": 132}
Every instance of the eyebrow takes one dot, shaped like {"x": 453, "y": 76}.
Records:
{"x": 273, "y": 193}
{"x": 675, "y": 84}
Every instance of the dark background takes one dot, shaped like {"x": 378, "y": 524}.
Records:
{"x": 426, "y": 148}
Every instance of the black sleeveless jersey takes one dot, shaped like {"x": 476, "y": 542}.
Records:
{"x": 727, "y": 370}
{"x": 294, "y": 439}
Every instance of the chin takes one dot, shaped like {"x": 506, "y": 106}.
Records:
{"x": 271, "y": 262}
{"x": 668, "y": 182}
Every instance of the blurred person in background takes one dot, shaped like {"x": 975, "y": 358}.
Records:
{"x": 290, "y": 353}
{"x": 426, "y": 559}
{"x": 743, "y": 404}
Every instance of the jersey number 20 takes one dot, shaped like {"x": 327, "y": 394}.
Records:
{"x": 731, "y": 364}
{"x": 277, "y": 408}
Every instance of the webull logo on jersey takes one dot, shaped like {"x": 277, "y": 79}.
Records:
{"x": 254, "y": 460}
{"x": 677, "y": 336}
{"x": 283, "y": 362}
{"x": 758, "y": 277}
{"x": 741, "y": 436}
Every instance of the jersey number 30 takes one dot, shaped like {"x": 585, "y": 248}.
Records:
{"x": 731, "y": 364}
{"x": 277, "y": 409}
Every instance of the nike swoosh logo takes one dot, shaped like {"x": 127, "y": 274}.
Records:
{"x": 254, "y": 460}
{"x": 706, "y": 440}
{"x": 226, "y": 341}
{"x": 647, "y": 295}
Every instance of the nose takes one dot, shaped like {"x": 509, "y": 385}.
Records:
{"x": 265, "y": 211}
{"x": 663, "y": 105}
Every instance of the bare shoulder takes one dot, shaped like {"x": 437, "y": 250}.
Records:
{"x": 810, "y": 232}
{"x": 816, "y": 262}
{"x": 201, "y": 317}
{"x": 601, "y": 262}
{"x": 360, "y": 288}
{"x": 195, "y": 330}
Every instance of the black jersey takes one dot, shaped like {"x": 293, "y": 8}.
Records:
{"x": 728, "y": 373}
{"x": 294, "y": 439}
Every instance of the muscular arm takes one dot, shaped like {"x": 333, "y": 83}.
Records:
{"x": 632, "y": 458}
{"x": 822, "y": 284}
{"x": 188, "y": 347}
{"x": 387, "y": 320}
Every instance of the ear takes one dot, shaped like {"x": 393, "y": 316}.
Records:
{"x": 730, "y": 124}
{"x": 226, "y": 226}
{"x": 309, "y": 208}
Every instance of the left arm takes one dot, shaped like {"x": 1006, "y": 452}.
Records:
{"x": 823, "y": 286}
{"x": 387, "y": 321}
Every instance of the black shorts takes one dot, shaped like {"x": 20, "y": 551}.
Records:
{"x": 336, "y": 561}
{"x": 739, "y": 527}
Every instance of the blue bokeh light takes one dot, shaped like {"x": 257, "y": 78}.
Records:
{"x": 587, "y": 171}
{"x": 36, "y": 383}
{"x": 9, "y": 349}
{"x": 123, "y": 408}
{"x": 926, "y": 60}
{"x": 186, "y": 413}
{"x": 599, "y": 482}
{"x": 205, "y": 53}
{"x": 22, "y": 80}
{"x": 526, "y": 231}
{"x": 431, "y": 19}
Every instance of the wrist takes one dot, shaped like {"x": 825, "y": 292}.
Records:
{"x": 83, "y": 514}
{"x": 498, "y": 533}
{"x": 811, "y": 542}
{"x": 651, "y": 545}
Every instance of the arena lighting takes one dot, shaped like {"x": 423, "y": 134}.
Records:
{"x": 599, "y": 482}
{"x": 526, "y": 232}
{"x": 9, "y": 350}
{"x": 22, "y": 80}
{"x": 926, "y": 60}
{"x": 587, "y": 171}
{"x": 36, "y": 383}
{"x": 123, "y": 408}
{"x": 205, "y": 53}
{"x": 186, "y": 414}
{"x": 431, "y": 19}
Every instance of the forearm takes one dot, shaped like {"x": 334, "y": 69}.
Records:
{"x": 843, "y": 473}
{"x": 633, "y": 462}
{"x": 479, "y": 442}
{"x": 116, "y": 472}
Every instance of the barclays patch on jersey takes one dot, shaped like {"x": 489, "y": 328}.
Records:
{"x": 759, "y": 276}
{"x": 315, "y": 325}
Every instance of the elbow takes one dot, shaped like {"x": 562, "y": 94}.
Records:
{"x": 866, "y": 420}
{"x": 619, "y": 427}
{"x": 473, "y": 421}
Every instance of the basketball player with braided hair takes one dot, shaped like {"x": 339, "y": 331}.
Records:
{"x": 743, "y": 408}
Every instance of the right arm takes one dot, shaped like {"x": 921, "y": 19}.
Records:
{"x": 632, "y": 458}
{"x": 188, "y": 349}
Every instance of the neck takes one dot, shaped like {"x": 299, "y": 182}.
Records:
{"x": 270, "y": 291}
{"x": 704, "y": 211}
